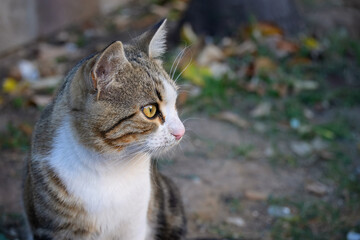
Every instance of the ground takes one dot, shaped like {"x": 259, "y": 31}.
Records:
{"x": 271, "y": 149}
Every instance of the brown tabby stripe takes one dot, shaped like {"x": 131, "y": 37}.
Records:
{"x": 53, "y": 205}
{"x": 56, "y": 181}
{"x": 45, "y": 183}
{"x": 170, "y": 218}
{"x": 130, "y": 126}
{"x": 56, "y": 196}
{"x": 126, "y": 138}
{"x": 158, "y": 95}
{"x": 162, "y": 118}
{"x": 42, "y": 213}
{"x": 172, "y": 199}
{"x": 118, "y": 123}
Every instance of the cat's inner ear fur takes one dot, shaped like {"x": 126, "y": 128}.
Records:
{"x": 153, "y": 41}
{"x": 107, "y": 65}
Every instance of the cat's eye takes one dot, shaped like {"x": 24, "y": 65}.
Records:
{"x": 149, "y": 110}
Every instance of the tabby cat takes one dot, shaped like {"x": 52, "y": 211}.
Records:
{"x": 89, "y": 174}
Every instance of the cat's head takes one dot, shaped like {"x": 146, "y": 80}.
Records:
{"x": 123, "y": 100}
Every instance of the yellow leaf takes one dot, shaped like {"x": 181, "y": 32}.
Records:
{"x": 9, "y": 85}
{"x": 188, "y": 35}
{"x": 311, "y": 43}
{"x": 196, "y": 74}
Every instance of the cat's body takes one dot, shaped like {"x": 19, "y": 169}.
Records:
{"x": 89, "y": 174}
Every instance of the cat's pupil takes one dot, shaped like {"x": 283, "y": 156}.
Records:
{"x": 150, "y": 111}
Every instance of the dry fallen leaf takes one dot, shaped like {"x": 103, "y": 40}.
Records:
{"x": 26, "y": 128}
{"x": 263, "y": 29}
{"x": 234, "y": 119}
{"x": 255, "y": 195}
{"x": 182, "y": 98}
{"x": 220, "y": 69}
{"x": 187, "y": 34}
{"x": 255, "y": 87}
{"x": 317, "y": 188}
{"x": 240, "y": 50}
{"x": 287, "y": 46}
{"x": 41, "y": 100}
{"x": 237, "y": 221}
{"x": 161, "y": 11}
{"x": 264, "y": 65}
{"x": 210, "y": 54}
{"x": 299, "y": 60}
{"x": 45, "y": 83}
{"x": 261, "y": 110}
{"x": 326, "y": 155}
{"x": 301, "y": 85}
{"x": 281, "y": 89}
{"x": 268, "y": 29}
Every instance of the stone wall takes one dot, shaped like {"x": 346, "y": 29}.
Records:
{"x": 22, "y": 21}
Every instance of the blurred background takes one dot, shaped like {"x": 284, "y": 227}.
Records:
{"x": 269, "y": 94}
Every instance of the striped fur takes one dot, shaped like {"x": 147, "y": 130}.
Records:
{"x": 89, "y": 174}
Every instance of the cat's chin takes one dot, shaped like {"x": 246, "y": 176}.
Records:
{"x": 161, "y": 150}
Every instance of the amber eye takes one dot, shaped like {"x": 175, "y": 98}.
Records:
{"x": 149, "y": 110}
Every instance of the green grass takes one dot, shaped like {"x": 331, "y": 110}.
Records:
{"x": 233, "y": 204}
{"x": 215, "y": 96}
{"x": 348, "y": 97}
{"x": 315, "y": 220}
{"x": 341, "y": 170}
{"x": 10, "y": 222}
{"x": 18, "y": 102}
{"x": 243, "y": 150}
{"x": 324, "y": 219}
{"x": 225, "y": 231}
{"x": 338, "y": 129}
{"x": 14, "y": 138}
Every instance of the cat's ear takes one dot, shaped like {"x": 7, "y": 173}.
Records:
{"x": 108, "y": 64}
{"x": 153, "y": 41}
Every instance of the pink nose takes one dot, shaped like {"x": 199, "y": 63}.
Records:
{"x": 179, "y": 133}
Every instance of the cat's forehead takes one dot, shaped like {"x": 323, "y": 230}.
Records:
{"x": 141, "y": 84}
{"x": 148, "y": 69}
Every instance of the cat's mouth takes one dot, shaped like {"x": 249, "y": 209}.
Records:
{"x": 163, "y": 147}
{"x": 152, "y": 147}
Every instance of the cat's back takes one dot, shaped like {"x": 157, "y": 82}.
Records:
{"x": 47, "y": 201}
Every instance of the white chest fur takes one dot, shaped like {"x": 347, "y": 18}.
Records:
{"x": 116, "y": 196}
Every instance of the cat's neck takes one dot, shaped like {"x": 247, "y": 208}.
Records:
{"x": 103, "y": 183}
{"x": 69, "y": 154}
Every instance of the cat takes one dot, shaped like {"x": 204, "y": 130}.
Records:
{"x": 89, "y": 174}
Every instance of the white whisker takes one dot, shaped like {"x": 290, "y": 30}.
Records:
{"x": 177, "y": 56}
{"x": 178, "y": 62}
{"x": 184, "y": 69}
{"x": 191, "y": 118}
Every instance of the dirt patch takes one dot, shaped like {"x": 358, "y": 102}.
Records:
{"x": 209, "y": 183}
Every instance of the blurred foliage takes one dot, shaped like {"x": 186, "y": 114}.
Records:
{"x": 309, "y": 216}
{"x": 299, "y": 79}
{"x": 16, "y": 137}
